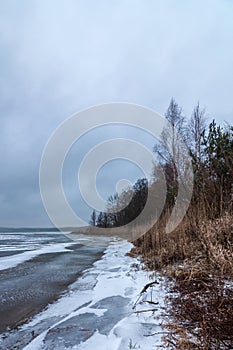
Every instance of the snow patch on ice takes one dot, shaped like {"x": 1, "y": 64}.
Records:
{"x": 14, "y": 260}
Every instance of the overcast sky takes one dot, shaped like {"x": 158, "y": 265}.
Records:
{"x": 58, "y": 57}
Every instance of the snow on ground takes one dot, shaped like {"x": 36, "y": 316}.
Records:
{"x": 99, "y": 311}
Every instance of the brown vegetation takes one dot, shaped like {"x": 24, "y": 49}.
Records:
{"x": 197, "y": 256}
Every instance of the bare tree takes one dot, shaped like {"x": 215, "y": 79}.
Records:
{"x": 169, "y": 151}
{"x": 197, "y": 126}
{"x": 169, "y": 135}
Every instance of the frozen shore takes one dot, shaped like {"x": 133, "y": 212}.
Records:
{"x": 98, "y": 311}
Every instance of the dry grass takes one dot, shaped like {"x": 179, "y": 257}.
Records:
{"x": 198, "y": 258}
{"x": 201, "y": 306}
{"x": 196, "y": 238}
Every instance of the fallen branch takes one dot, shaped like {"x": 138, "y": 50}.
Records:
{"x": 151, "y": 302}
{"x": 147, "y": 286}
{"x": 144, "y": 289}
{"x": 152, "y": 334}
{"x": 139, "y": 311}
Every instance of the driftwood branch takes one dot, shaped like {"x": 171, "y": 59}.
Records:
{"x": 147, "y": 286}
{"x": 151, "y": 302}
{"x": 152, "y": 334}
{"x": 144, "y": 289}
{"x": 139, "y": 311}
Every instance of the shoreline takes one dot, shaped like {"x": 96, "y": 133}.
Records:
{"x": 105, "y": 308}
{"x": 30, "y": 287}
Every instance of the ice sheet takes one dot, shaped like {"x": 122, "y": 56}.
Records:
{"x": 14, "y": 260}
{"x": 98, "y": 313}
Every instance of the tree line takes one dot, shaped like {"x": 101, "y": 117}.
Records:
{"x": 210, "y": 147}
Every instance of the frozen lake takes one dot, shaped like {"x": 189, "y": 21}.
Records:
{"x": 35, "y": 268}
{"x": 62, "y": 294}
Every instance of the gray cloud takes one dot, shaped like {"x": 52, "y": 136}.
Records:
{"x": 58, "y": 57}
